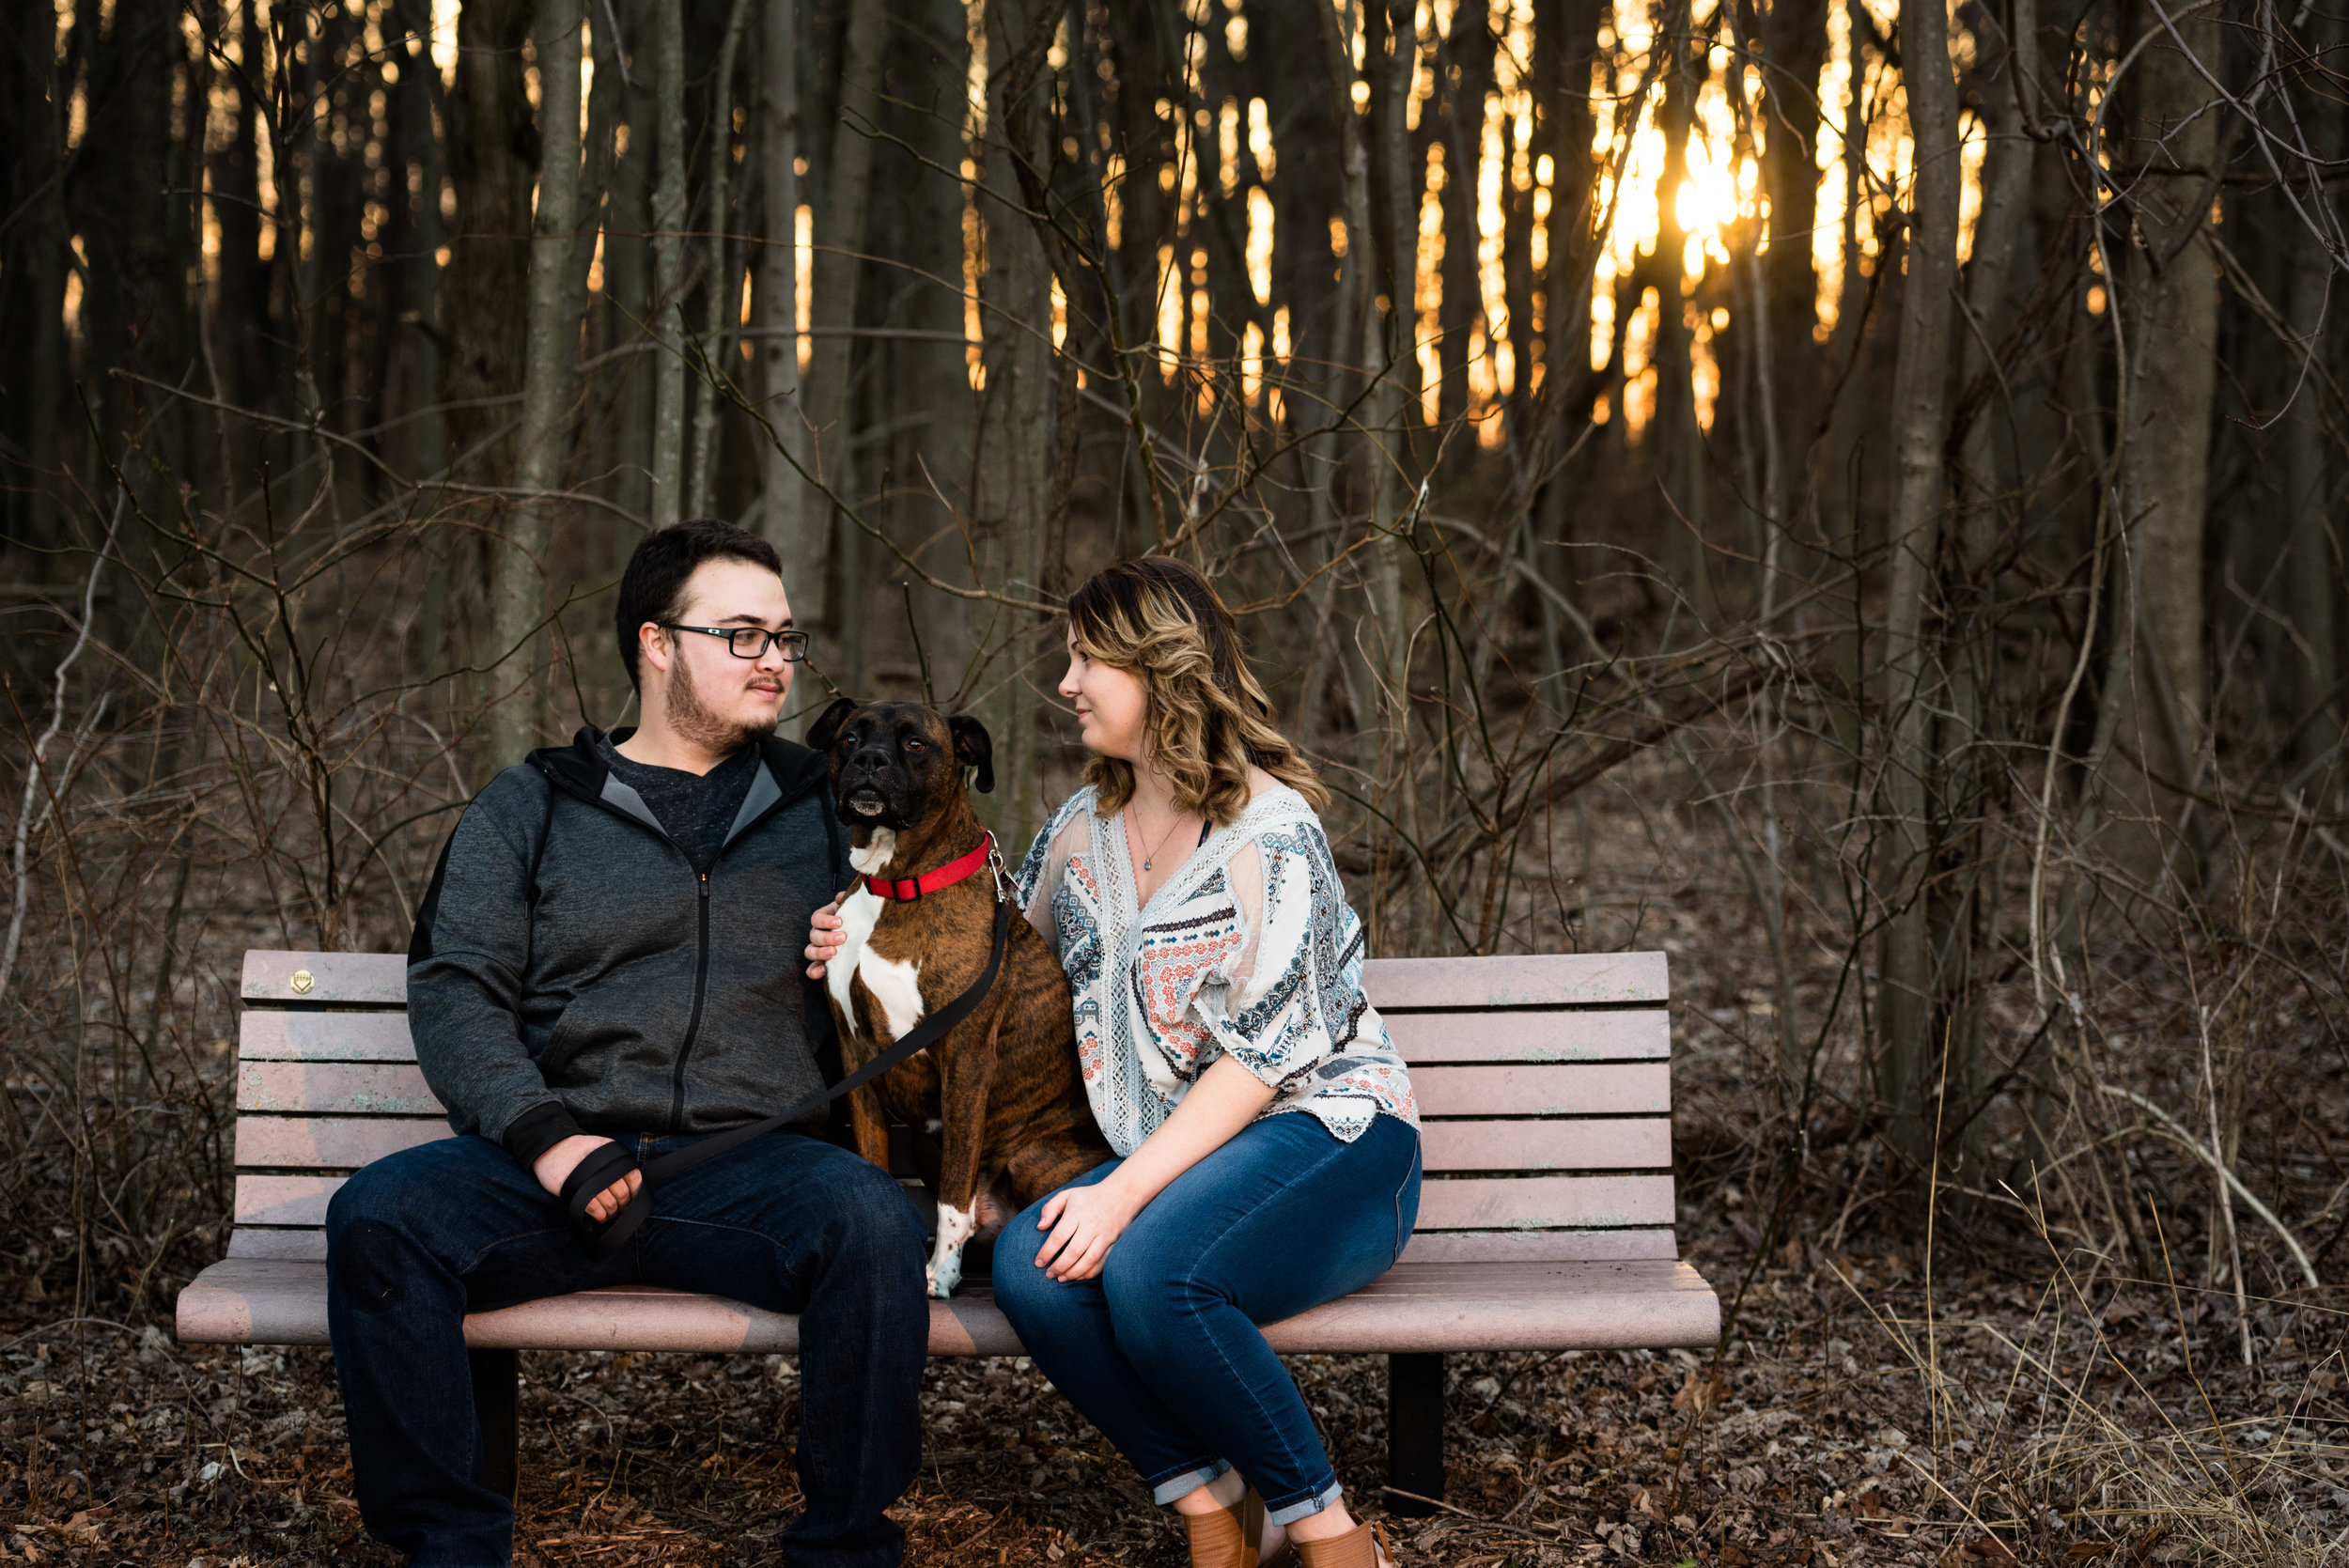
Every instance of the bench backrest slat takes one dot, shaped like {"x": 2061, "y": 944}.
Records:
{"x": 1549, "y": 1034}
{"x": 1543, "y": 1083}
{"x": 379, "y": 979}
{"x": 275, "y": 1033}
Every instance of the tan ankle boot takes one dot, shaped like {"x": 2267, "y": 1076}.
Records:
{"x": 1359, "y": 1548}
{"x": 1227, "y": 1537}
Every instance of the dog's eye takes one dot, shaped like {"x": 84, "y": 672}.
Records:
{"x": 916, "y": 744}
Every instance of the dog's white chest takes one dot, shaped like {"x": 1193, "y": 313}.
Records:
{"x": 894, "y": 985}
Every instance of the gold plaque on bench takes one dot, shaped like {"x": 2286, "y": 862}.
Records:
{"x": 302, "y": 980}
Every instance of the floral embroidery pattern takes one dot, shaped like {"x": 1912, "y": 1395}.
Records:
{"x": 1278, "y": 989}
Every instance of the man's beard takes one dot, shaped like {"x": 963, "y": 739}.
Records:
{"x": 694, "y": 721}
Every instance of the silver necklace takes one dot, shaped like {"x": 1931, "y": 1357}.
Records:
{"x": 1152, "y": 853}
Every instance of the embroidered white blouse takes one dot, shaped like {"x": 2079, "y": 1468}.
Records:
{"x": 1249, "y": 950}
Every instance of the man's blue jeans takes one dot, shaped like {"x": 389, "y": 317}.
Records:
{"x": 1161, "y": 1350}
{"x": 418, "y": 1239}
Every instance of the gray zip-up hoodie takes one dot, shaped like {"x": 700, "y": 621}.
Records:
{"x": 572, "y": 972}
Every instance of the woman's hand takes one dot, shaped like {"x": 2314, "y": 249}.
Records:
{"x": 1085, "y": 1222}
{"x": 824, "y": 937}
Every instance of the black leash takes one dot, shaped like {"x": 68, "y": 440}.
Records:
{"x": 608, "y": 1162}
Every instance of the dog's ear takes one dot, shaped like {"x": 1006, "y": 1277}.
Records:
{"x": 972, "y": 749}
{"x": 827, "y": 725}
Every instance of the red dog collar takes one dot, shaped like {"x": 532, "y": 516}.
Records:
{"x": 931, "y": 881}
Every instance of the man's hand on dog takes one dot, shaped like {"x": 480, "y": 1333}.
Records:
{"x": 1085, "y": 1222}
{"x": 555, "y": 1166}
{"x": 823, "y": 937}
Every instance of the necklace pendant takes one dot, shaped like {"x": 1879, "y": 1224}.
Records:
{"x": 1146, "y": 865}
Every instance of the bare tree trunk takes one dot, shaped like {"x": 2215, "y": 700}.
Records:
{"x": 776, "y": 300}
{"x": 1677, "y": 436}
{"x": 1920, "y": 384}
{"x": 2315, "y": 572}
{"x": 491, "y": 146}
{"x": 1012, "y": 493}
{"x": 931, "y": 462}
{"x": 2169, "y": 309}
{"x": 838, "y": 262}
{"x": 669, "y": 209}
{"x": 551, "y": 349}
{"x": 34, "y": 266}
{"x": 1794, "y": 38}
{"x": 721, "y": 306}
{"x": 1380, "y": 675}
{"x": 1966, "y": 873}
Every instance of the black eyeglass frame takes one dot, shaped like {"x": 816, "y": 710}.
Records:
{"x": 793, "y": 640}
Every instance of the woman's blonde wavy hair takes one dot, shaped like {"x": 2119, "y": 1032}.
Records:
{"x": 1159, "y": 620}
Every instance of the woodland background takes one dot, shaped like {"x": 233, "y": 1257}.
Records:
{"x": 1849, "y": 492}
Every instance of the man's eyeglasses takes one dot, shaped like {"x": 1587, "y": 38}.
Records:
{"x": 751, "y": 642}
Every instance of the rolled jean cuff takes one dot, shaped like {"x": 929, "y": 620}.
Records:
{"x": 1183, "y": 1485}
{"x": 1288, "y": 1514}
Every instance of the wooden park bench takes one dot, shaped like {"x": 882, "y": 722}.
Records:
{"x": 1545, "y": 1223}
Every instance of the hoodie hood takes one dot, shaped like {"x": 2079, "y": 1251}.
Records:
{"x": 787, "y": 771}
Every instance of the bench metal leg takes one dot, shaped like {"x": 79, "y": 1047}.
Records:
{"x": 497, "y": 1417}
{"x": 1415, "y": 1430}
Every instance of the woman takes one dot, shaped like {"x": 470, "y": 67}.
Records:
{"x": 1268, "y": 1140}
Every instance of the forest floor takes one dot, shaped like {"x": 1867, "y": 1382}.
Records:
{"x": 1995, "y": 1397}
{"x": 2055, "y": 1426}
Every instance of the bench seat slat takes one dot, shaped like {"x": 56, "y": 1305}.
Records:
{"x": 254, "y": 1241}
{"x": 334, "y": 1142}
{"x": 1630, "y": 1143}
{"x": 278, "y": 1034}
{"x": 1546, "y": 1089}
{"x": 1638, "y": 1304}
{"x": 1541, "y": 980}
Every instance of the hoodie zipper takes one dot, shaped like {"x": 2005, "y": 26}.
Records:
{"x": 694, "y": 1026}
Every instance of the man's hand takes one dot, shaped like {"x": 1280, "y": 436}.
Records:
{"x": 824, "y": 937}
{"x": 555, "y": 1166}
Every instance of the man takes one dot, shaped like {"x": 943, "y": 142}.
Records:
{"x": 609, "y": 953}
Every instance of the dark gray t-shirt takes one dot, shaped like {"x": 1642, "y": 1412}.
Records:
{"x": 695, "y": 809}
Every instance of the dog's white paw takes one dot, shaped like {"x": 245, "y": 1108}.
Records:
{"x": 954, "y": 1227}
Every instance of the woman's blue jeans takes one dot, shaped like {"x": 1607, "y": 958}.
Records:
{"x": 1161, "y": 1350}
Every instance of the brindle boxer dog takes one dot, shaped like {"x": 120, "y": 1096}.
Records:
{"x": 1001, "y": 1090}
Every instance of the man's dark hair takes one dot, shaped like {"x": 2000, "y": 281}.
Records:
{"x": 654, "y": 584}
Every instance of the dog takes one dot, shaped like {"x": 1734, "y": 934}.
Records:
{"x": 1001, "y": 1091}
